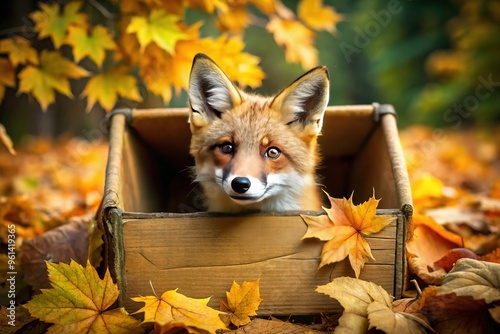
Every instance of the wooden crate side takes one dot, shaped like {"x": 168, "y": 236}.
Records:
{"x": 400, "y": 267}
{"x": 201, "y": 256}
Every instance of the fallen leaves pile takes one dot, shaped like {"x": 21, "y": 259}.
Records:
{"x": 50, "y": 191}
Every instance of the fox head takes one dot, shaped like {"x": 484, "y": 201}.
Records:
{"x": 253, "y": 152}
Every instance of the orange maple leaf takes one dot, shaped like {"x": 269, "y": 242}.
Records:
{"x": 318, "y": 16}
{"x": 241, "y": 302}
{"x": 297, "y": 40}
{"x": 173, "y": 309}
{"x": 343, "y": 228}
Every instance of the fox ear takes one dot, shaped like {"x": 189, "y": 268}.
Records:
{"x": 303, "y": 103}
{"x": 210, "y": 91}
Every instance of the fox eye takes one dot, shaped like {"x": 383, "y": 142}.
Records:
{"x": 226, "y": 148}
{"x": 273, "y": 153}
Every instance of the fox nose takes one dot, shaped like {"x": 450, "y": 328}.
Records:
{"x": 240, "y": 184}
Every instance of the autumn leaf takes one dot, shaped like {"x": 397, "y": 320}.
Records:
{"x": 452, "y": 314}
{"x": 5, "y": 140}
{"x": 354, "y": 295}
{"x": 274, "y": 326}
{"x": 62, "y": 244}
{"x": 480, "y": 280}
{"x": 241, "y": 302}
{"x": 160, "y": 27}
{"x": 107, "y": 86}
{"x": 50, "y": 23}
{"x": 51, "y": 76}
{"x": 19, "y": 51}
{"x": 208, "y": 6}
{"x": 21, "y": 318}
{"x": 297, "y": 40}
{"x": 226, "y": 52}
{"x": 493, "y": 256}
{"x": 366, "y": 306}
{"x": 461, "y": 304}
{"x": 78, "y": 302}
{"x": 383, "y": 317}
{"x": 235, "y": 20}
{"x": 318, "y": 16}
{"x": 420, "y": 268}
{"x": 266, "y": 6}
{"x": 91, "y": 44}
{"x": 177, "y": 310}
{"x": 430, "y": 242}
{"x": 343, "y": 229}
{"x": 7, "y": 79}
{"x": 495, "y": 313}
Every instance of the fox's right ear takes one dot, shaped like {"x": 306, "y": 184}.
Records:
{"x": 210, "y": 91}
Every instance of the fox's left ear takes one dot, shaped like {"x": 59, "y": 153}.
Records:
{"x": 303, "y": 103}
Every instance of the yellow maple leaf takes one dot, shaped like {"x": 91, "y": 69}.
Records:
{"x": 318, "y": 16}
{"x": 52, "y": 75}
{"x": 226, "y": 52}
{"x": 91, "y": 44}
{"x": 8, "y": 77}
{"x": 78, "y": 302}
{"x": 160, "y": 27}
{"x": 107, "y": 86}
{"x": 297, "y": 40}
{"x": 175, "y": 309}
{"x": 19, "y": 50}
{"x": 241, "y": 302}
{"x": 208, "y": 5}
{"x": 266, "y": 6}
{"x": 235, "y": 19}
{"x": 50, "y": 23}
{"x": 156, "y": 73}
{"x": 343, "y": 228}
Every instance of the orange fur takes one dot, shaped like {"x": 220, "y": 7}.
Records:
{"x": 267, "y": 144}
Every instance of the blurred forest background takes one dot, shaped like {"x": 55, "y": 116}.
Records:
{"x": 435, "y": 61}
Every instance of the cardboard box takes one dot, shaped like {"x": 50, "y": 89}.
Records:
{"x": 155, "y": 234}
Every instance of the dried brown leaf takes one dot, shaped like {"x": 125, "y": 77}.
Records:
{"x": 495, "y": 313}
{"x": 354, "y": 295}
{"x": 449, "y": 313}
{"x": 420, "y": 268}
{"x": 273, "y": 326}
{"x": 431, "y": 241}
{"x": 62, "y": 244}
{"x": 383, "y": 317}
{"x": 480, "y": 280}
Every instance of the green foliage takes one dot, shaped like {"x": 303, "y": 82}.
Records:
{"x": 436, "y": 61}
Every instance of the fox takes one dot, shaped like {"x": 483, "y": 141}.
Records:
{"x": 255, "y": 153}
